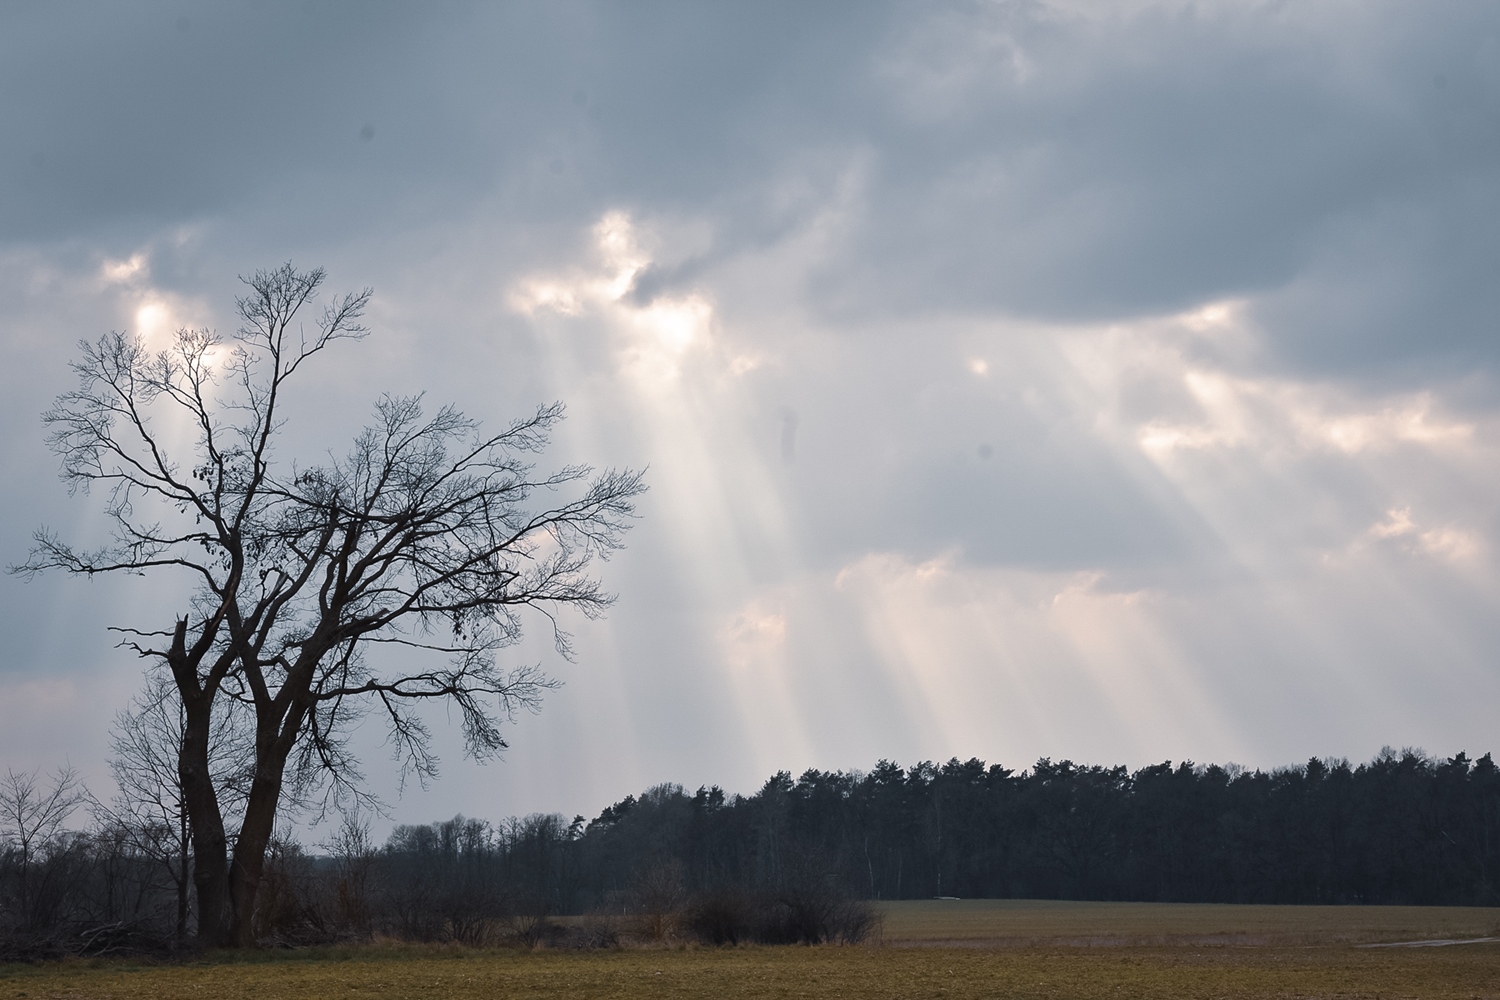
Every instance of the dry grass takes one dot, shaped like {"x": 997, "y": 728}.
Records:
{"x": 1032, "y": 922}
{"x": 1005, "y": 949}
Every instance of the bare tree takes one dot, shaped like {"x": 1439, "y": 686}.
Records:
{"x": 30, "y": 813}
{"x": 31, "y": 816}
{"x": 423, "y": 537}
{"x": 659, "y": 894}
{"x": 353, "y": 854}
{"x": 150, "y": 811}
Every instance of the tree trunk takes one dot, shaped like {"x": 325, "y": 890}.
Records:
{"x": 250, "y": 847}
{"x": 184, "y": 862}
{"x": 210, "y": 846}
{"x": 199, "y": 798}
{"x": 274, "y": 741}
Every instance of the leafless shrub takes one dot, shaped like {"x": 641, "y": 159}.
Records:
{"x": 723, "y": 917}
{"x": 594, "y": 930}
{"x": 659, "y": 896}
{"x": 290, "y": 908}
{"x": 353, "y": 855}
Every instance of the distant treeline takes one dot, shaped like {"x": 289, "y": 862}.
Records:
{"x": 1403, "y": 828}
{"x": 793, "y": 861}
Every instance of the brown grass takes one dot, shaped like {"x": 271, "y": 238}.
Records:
{"x": 951, "y": 950}
{"x": 1034, "y": 922}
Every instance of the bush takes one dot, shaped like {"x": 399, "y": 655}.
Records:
{"x": 725, "y": 917}
{"x": 595, "y": 930}
{"x": 292, "y": 905}
{"x": 732, "y": 916}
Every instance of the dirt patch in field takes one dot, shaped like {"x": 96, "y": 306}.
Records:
{"x": 1438, "y": 943}
{"x": 1054, "y": 923}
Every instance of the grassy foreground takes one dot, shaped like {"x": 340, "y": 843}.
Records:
{"x": 970, "y": 949}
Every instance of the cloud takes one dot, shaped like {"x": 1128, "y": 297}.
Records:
{"x": 1048, "y": 160}
{"x": 1446, "y": 542}
{"x": 1013, "y": 378}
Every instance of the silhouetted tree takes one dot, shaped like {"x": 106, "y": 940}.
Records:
{"x": 31, "y": 818}
{"x": 423, "y": 536}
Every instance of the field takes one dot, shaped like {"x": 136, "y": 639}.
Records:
{"x": 944, "y": 949}
{"x": 1051, "y": 923}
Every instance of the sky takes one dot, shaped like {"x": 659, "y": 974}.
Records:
{"x": 1111, "y": 382}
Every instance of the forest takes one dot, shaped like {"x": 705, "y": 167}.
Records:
{"x": 797, "y": 860}
{"x": 1403, "y": 828}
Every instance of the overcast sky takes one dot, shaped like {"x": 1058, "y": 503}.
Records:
{"x": 1105, "y": 381}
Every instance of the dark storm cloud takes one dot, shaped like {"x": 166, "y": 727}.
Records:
{"x": 912, "y": 231}
{"x": 1035, "y": 160}
{"x": 1095, "y": 165}
{"x": 134, "y": 112}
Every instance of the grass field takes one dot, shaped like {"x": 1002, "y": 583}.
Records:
{"x": 929, "y": 949}
{"x": 1041, "y": 922}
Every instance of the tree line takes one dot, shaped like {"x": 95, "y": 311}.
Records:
{"x": 798, "y": 860}
{"x": 1404, "y": 828}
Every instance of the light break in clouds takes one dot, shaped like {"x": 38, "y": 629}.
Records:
{"x": 1113, "y": 382}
